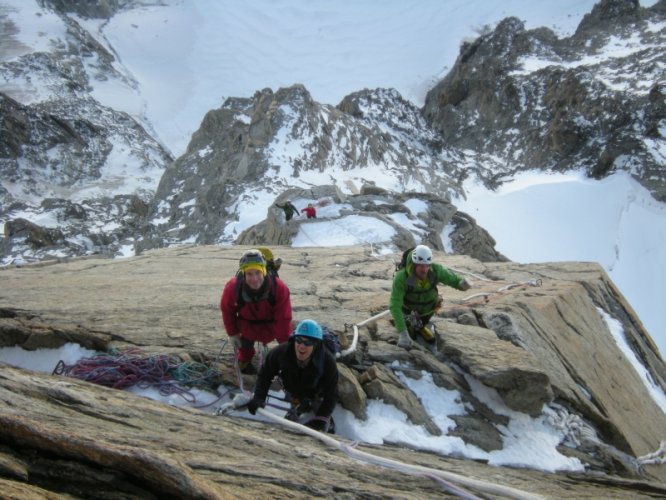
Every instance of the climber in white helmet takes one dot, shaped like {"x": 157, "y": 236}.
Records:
{"x": 415, "y": 295}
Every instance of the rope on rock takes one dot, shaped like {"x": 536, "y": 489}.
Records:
{"x": 121, "y": 369}
{"x": 486, "y": 296}
{"x": 657, "y": 457}
{"x": 574, "y": 428}
{"x": 441, "y": 477}
{"x": 355, "y": 328}
{"x": 583, "y": 434}
{"x": 580, "y": 433}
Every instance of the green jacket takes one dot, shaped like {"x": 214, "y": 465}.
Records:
{"x": 418, "y": 295}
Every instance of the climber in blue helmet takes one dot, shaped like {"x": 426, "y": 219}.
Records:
{"x": 309, "y": 376}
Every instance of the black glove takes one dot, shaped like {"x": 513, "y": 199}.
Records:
{"x": 318, "y": 424}
{"x": 292, "y": 415}
{"x": 255, "y": 403}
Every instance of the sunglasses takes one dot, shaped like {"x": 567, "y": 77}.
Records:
{"x": 304, "y": 340}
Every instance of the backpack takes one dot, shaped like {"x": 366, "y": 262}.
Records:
{"x": 331, "y": 341}
{"x": 272, "y": 264}
{"x": 403, "y": 259}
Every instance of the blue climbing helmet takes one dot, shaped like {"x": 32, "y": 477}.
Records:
{"x": 309, "y": 328}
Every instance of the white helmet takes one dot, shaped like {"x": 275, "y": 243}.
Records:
{"x": 422, "y": 255}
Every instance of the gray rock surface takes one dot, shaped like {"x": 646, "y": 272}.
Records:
{"x": 242, "y": 145}
{"x": 567, "y": 112}
{"x": 540, "y": 347}
{"x": 440, "y": 215}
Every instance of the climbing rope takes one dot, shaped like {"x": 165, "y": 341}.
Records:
{"x": 301, "y": 228}
{"x": 572, "y": 426}
{"x": 355, "y": 327}
{"x": 484, "y": 297}
{"x": 580, "y": 433}
{"x": 446, "y": 480}
{"x": 467, "y": 301}
{"x": 657, "y": 457}
{"x": 443, "y": 478}
{"x": 121, "y": 369}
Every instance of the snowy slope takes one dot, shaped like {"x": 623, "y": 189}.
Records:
{"x": 176, "y": 61}
{"x": 188, "y": 57}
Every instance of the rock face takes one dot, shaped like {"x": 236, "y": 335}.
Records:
{"x": 282, "y": 140}
{"x": 88, "y": 179}
{"x": 527, "y": 98}
{"x": 68, "y": 150}
{"x": 537, "y": 335}
{"x": 437, "y": 218}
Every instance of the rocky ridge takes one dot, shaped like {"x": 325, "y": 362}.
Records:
{"x": 585, "y": 105}
{"x": 81, "y": 174}
{"x": 594, "y": 100}
{"x": 291, "y": 141}
{"x": 440, "y": 222}
{"x": 537, "y": 335}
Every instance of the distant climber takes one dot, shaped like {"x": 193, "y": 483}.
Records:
{"x": 414, "y": 296}
{"x": 289, "y": 209}
{"x": 310, "y": 211}
{"x": 256, "y": 307}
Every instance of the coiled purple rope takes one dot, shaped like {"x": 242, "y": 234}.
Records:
{"x": 121, "y": 369}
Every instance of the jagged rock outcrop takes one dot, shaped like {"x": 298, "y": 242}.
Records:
{"x": 294, "y": 142}
{"x": 438, "y": 224}
{"x": 538, "y": 335}
{"x": 77, "y": 165}
{"x": 100, "y": 9}
{"x": 492, "y": 115}
{"x": 525, "y": 98}
{"x": 66, "y": 152}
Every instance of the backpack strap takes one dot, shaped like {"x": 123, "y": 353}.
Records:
{"x": 417, "y": 295}
{"x": 403, "y": 260}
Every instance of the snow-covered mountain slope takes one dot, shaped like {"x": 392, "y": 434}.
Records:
{"x": 250, "y": 151}
{"x": 76, "y": 174}
{"x": 593, "y": 101}
{"x": 93, "y": 105}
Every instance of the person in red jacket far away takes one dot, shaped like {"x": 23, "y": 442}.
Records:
{"x": 256, "y": 307}
{"x": 310, "y": 211}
